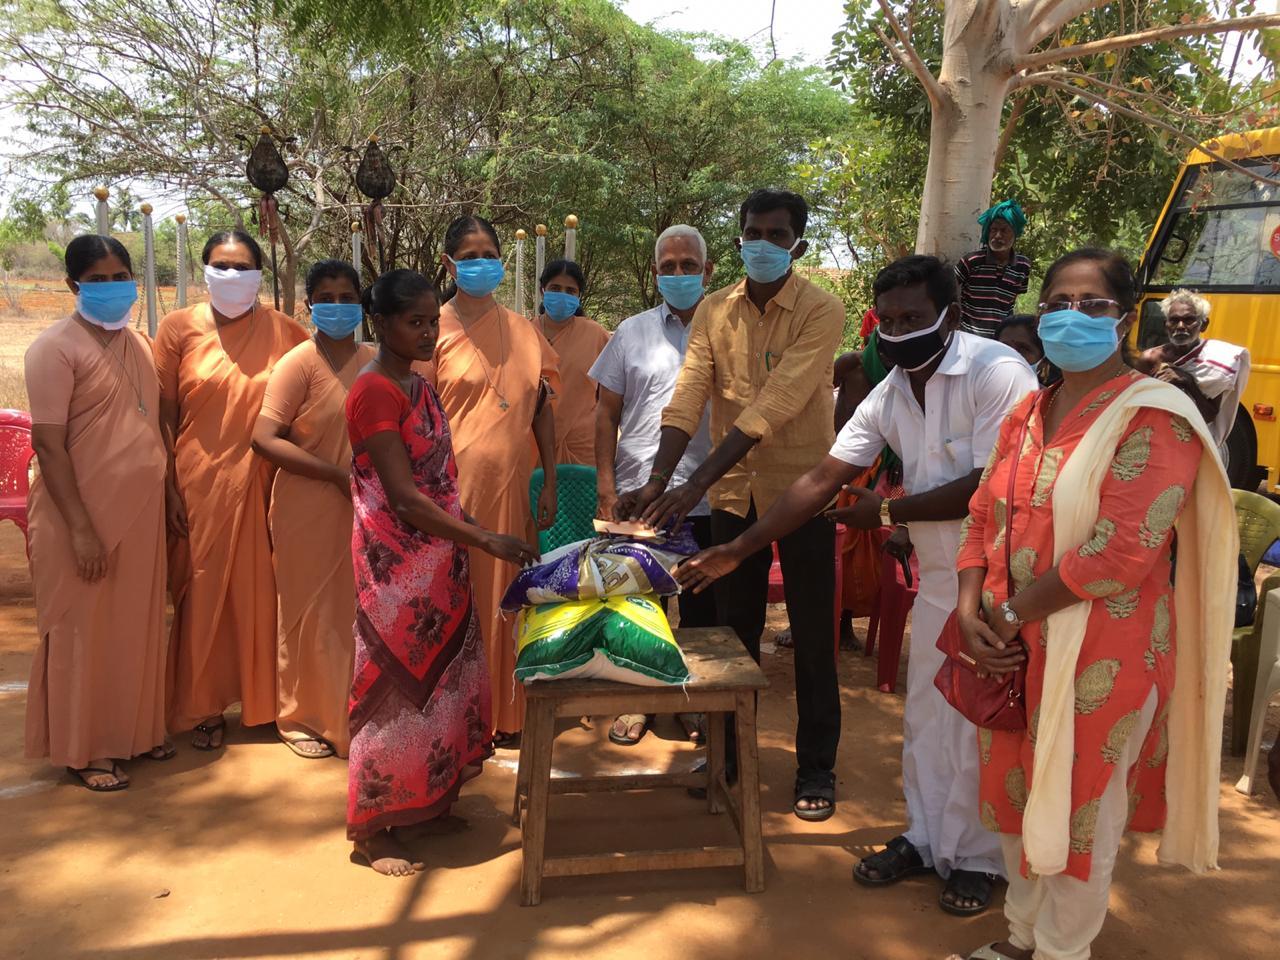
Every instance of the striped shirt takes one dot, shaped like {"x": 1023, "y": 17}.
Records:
{"x": 988, "y": 290}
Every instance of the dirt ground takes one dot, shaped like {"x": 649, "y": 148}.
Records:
{"x": 242, "y": 855}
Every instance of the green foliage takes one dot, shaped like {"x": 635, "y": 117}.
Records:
{"x": 521, "y": 110}
{"x": 1084, "y": 174}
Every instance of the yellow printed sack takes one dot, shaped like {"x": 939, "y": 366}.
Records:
{"x": 626, "y": 639}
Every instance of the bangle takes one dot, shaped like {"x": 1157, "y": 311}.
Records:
{"x": 661, "y": 477}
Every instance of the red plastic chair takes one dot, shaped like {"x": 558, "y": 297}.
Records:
{"x": 889, "y": 618}
{"x": 778, "y": 595}
{"x": 15, "y": 459}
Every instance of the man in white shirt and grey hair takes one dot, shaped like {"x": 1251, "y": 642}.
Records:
{"x": 636, "y": 375}
{"x": 1212, "y": 372}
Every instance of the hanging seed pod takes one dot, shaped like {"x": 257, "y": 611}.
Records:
{"x": 266, "y": 168}
{"x": 374, "y": 176}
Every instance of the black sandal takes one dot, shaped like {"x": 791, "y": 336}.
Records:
{"x": 817, "y": 786}
{"x": 898, "y": 860}
{"x": 84, "y": 773}
{"x": 967, "y": 885}
{"x": 209, "y": 729}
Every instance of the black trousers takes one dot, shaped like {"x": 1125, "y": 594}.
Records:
{"x": 808, "y": 569}
{"x": 699, "y": 609}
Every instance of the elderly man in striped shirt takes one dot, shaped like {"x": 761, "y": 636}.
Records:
{"x": 991, "y": 279}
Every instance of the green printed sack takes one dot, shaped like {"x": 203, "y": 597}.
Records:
{"x": 626, "y": 639}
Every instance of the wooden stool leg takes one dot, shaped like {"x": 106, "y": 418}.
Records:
{"x": 522, "y": 781}
{"x": 539, "y": 736}
{"x": 715, "y": 760}
{"x": 749, "y": 784}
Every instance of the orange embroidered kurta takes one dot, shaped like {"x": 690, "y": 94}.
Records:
{"x": 223, "y": 641}
{"x": 577, "y": 342}
{"x": 1124, "y": 570}
{"x": 310, "y": 524}
{"x": 97, "y": 677}
{"x": 487, "y": 377}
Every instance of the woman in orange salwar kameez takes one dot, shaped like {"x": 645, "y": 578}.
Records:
{"x": 1124, "y": 664}
{"x": 577, "y": 341}
{"x": 302, "y": 430}
{"x": 495, "y": 373}
{"x": 213, "y": 360}
{"x": 96, "y": 525}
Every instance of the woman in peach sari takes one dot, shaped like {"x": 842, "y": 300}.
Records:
{"x": 495, "y": 373}
{"x": 213, "y": 360}
{"x": 577, "y": 341}
{"x": 302, "y": 430}
{"x": 96, "y": 513}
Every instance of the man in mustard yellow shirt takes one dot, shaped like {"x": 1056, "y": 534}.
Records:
{"x": 761, "y": 353}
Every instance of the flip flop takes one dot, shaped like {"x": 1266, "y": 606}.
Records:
{"x": 631, "y": 720}
{"x": 84, "y": 773}
{"x": 169, "y": 751}
{"x": 968, "y": 885}
{"x": 294, "y": 745}
{"x": 209, "y": 729}
{"x": 898, "y": 860}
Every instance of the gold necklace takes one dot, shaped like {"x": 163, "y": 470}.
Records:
{"x": 502, "y": 400}
{"x": 135, "y": 381}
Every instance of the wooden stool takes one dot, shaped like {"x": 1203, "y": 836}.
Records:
{"x": 726, "y": 682}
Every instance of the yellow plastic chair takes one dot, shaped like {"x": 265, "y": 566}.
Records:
{"x": 1259, "y": 522}
{"x": 1268, "y": 685}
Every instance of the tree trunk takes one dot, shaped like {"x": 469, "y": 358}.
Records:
{"x": 965, "y": 131}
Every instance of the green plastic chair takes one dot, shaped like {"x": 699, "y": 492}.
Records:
{"x": 576, "y": 505}
{"x": 1259, "y": 521}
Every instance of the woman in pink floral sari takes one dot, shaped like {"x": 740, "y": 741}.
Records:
{"x": 420, "y": 701}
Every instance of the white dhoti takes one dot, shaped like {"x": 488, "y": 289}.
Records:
{"x": 939, "y": 746}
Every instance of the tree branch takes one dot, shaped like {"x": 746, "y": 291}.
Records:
{"x": 1040, "y": 18}
{"x": 1006, "y": 135}
{"x": 1057, "y": 54}
{"x": 1053, "y": 81}
{"x": 907, "y": 55}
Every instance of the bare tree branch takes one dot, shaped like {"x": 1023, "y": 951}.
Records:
{"x": 1054, "y": 81}
{"x": 909, "y": 57}
{"x": 1006, "y": 135}
{"x": 1057, "y": 54}
{"x": 1040, "y": 18}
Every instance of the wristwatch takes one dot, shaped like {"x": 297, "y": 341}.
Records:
{"x": 1010, "y": 617}
{"x": 885, "y": 519}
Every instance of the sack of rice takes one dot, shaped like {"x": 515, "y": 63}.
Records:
{"x": 602, "y": 567}
{"x": 626, "y": 639}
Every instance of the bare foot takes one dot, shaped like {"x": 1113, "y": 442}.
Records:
{"x": 387, "y": 856}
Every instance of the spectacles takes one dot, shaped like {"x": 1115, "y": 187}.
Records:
{"x": 1091, "y": 308}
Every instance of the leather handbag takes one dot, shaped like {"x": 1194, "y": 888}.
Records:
{"x": 996, "y": 703}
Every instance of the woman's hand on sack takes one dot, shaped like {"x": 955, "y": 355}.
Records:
{"x": 510, "y": 549}
{"x": 698, "y": 573}
{"x": 994, "y": 654}
{"x": 669, "y": 510}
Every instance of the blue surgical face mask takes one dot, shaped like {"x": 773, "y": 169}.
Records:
{"x": 681, "y": 291}
{"x": 765, "y": 261}
{"x": 479, "y": 278}
{"x": 337, "y": 320}
{"x": 560, "y": 306}
{"x": 1075, "y": 341}
{"x": 107, "y": 304}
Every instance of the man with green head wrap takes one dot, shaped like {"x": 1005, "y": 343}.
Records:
{"x": 990, "y": 279}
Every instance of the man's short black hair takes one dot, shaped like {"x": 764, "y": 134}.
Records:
{"x": 768, "y": 200}
{"x": 939, "y": 278}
